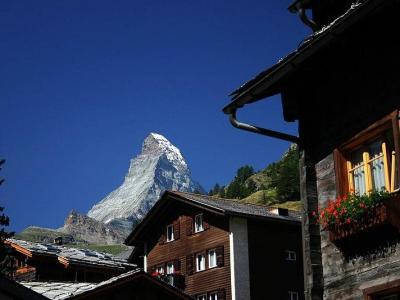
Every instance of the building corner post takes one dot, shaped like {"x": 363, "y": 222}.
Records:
{"x": 313, "y": 272}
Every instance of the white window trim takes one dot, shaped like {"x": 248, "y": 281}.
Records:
{"x": 289, "y": 253}
{"x": 160, "y": 269}
{"x": 213, "y": 294}
{"x": 209, "y": 258}
{"x": 201, "y": 297}
{"x": 195, "y": 223}
{"x": 172, "y": 233}
{"x": 203, "y": 264}
{"x": 168, "y": 268}
{"x": 293, "y": 295}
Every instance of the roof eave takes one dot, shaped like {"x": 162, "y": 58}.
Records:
{"x": 279, "y": 219}
{"x": 262, "y": 88}
{"x": 135, "y": 234}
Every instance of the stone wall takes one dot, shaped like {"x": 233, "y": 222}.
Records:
{"x": 343, "y": 278}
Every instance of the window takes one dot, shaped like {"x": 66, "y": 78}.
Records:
{"x": 369, "y": 161}
{"x": 293, "y": 296}
{"x": 368, "y": 168}
{"x": 200, "y": 262}
{"x": 212, "y": 258}
{"x": 160, "y": 269}
{"x": 386, "y": 291}
{"x": 290, "y": 255}
{"x": 198, "y": 223}
{"x": 201, "y": 297}
{"x": 170, "y": 233}
{"x": 213, "y": 296}
{"x": 170, "y": 268}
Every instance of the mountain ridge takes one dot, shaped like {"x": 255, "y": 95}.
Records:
{"x": 159, "y": 166}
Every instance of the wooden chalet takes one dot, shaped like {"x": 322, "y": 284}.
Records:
{"x": 220, "y": 249}
{"x": 35, "y": 261}
{"x": 341, "y": 85}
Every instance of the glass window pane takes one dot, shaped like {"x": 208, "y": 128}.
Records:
{"x": 170, "y": 233}
{"x": 358, "y": 172}
{"x": 198, "y": 223}
{"x": 212, "y": 259}
{"x": 170, "y": 268}
{"x": 377, "y": 166}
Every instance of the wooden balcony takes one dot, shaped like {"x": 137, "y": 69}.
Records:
{"x": 25, "y": 273}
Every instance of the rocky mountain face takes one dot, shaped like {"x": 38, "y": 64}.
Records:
{"x": 84, "y": 228}
{"x": 158, "y": 167}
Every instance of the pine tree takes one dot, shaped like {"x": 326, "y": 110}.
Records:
{"x": 222, "y": 192}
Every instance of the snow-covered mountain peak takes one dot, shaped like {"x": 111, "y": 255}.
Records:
{"x": 156, "y": 144}
{"x": 160, "y": 166}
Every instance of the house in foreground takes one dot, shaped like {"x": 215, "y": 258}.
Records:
{"x": 342, "y": 86}
{"x": 132, "y": 285}
{"x": 36, "y": 261}
{"x": 221, "y": 249}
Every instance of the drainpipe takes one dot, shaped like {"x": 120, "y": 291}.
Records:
{"x": 299, "y": 7}
{"x": 260, "y": 130}
{"x": 303, "y": 17}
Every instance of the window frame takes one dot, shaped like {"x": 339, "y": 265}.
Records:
{"x": 363, "y": 139}
{"x": 172, "y": 233}
{"x": 171, "y": 263}
{"x": 201, "y": 297}
{"x": 385, "y": 289}
{"x": 293, "y": 293}
{"x": 215, "y": 294}
{"x": 288, "y": 255}
{"x": 197, "y": 262}
{"x": 160, "y": 267}
{"x": 195, "y": 223}
{"x": 215, "y": 258}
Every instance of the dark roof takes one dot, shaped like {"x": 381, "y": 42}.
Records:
{"x": 267, "y": 82}
{"x": 234, "y": 207}
{"x": 72, "y": 290}
{"x": 219, "y": 206}
{"x": 14, "y": 290}
{"x": 88, "y": 258}
{"x": 58, "y": 290}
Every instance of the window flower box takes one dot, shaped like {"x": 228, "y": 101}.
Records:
{"x": 348, "y": 216}
{"x": 175, "y": 279}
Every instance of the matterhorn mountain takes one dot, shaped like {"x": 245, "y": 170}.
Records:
{"x": 160, "y": 166}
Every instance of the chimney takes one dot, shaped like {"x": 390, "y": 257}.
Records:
{"x": 280, "y": 211}
{"x": 58, "y": 240}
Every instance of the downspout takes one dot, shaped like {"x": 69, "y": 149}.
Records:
{"x": 303, "y": 17}
{"x": 260, "y": 130}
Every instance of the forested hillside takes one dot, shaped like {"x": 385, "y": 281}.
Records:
{"x": 277, "y": 183}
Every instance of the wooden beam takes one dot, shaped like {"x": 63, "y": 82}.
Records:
{"x": 386, "y": 167}
{"x": 396, "y": 138}
{"x": 19, "y": 248}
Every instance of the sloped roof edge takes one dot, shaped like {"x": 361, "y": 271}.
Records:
{"x": 218, "y": 206}
{"x": 262, "y": 85}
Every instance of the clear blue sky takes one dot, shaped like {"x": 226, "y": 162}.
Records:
{"x": 83, "y": 82}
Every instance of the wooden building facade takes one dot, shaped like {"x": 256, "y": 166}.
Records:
{"x": 342, "y": 87}
{"x": 221, "y": 249}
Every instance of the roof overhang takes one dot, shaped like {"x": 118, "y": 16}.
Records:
{"x": 117, "y": 282}
{"x": 135, "y": 238}
{"x": 269, "y": 82}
